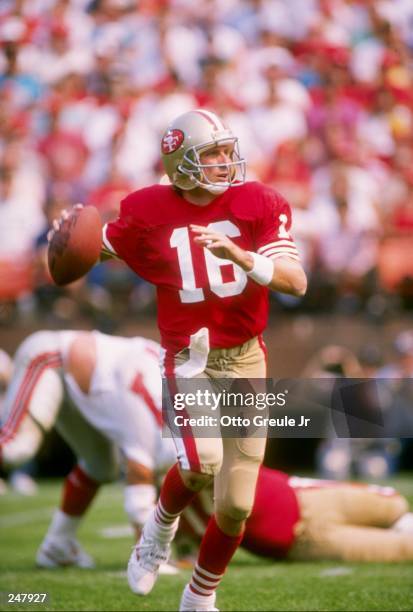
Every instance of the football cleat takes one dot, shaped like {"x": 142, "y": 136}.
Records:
{"x": 144, "y": 563}
{"x": 191, "y": 602}
{"x": 63, "y": 552}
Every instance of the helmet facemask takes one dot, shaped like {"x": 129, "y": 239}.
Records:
{"x": 193, "y": 168}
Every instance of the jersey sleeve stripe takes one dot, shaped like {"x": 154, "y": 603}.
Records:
{"x": 283, "y": 242}
{"x": 281, "y": 248}
{"x": 269, "y": 252}
{"x": 289, "y": 255}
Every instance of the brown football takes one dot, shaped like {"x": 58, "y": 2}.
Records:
{"x": 75, "y": 248}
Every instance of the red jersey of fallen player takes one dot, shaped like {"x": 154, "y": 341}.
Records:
{"x": 196, "y": 289}
{"x": 270, "y": 528}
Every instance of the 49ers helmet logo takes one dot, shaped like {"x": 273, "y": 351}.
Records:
{"x": 172, "y": 141}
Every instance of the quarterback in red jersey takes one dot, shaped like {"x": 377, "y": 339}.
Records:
{"x": 155, "y": 235}
{"x": 213, "y": 245}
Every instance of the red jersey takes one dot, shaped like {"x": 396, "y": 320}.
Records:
{"x": 270, "y": 528}
{"x": 195, "y": 288}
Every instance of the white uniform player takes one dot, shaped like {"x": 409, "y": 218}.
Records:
{"x": 103, "y": 393}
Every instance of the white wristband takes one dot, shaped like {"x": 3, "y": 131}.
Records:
{"x": 263, "y": 269}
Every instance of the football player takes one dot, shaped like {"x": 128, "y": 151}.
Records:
{"x": 305, "y": 519}
{"x": 213, "y": 245}
{"x": 103, "y": 393}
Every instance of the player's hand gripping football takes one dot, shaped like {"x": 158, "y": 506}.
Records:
{"x": 221, "y": 246}
{"x": 57, "y": 223}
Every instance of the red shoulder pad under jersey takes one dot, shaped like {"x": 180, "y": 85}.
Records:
{"x": 273, "y": 238}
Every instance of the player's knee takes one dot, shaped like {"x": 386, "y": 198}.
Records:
{"x": 195, "y": 481}
{"x": 210, "y": 460}
{"x": 234, "y": 509}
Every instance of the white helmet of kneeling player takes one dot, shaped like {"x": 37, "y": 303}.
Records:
{"x": 190, "y": 135}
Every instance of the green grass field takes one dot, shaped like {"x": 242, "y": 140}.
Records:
{"x": 250, "y": 584}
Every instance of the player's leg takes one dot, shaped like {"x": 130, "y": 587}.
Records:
{"x": 354, "y": 543}
{"x": 98, "y": 463}
{"x": 370, "y": 505}
{"x": 234, "y": 497}
{"x": 198, "y": 460}
{"x": 349, "y": 522}
{"x": 234, "y": 485}
{"x": 178, "y": 490}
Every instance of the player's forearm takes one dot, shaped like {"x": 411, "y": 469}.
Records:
{"x": 287, "y": 275}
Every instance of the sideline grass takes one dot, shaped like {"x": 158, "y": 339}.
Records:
{"x": 251, "y": 583}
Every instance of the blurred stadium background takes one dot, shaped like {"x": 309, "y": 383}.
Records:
{"x": 320, "y": 94}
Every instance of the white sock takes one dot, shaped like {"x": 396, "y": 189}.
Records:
{"x": 190, "y": 597}
{"x": 63, "y": 525}
{"x": 158, "y": 531}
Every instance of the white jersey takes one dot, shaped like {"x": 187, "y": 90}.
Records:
{"x": 125, "y": 398}
{"x": 123, "y": 404}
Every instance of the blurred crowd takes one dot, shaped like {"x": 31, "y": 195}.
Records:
{"x": 319, "y": 92}
{"x": 385, "y": 401}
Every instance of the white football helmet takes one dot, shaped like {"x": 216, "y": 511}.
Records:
{"x": 186, "y": 138}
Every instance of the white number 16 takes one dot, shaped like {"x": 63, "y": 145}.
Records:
{"x": 189, "y": 292}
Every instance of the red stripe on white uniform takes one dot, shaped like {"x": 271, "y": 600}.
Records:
{"x": 186, "y": 436}
{"x": 20, "y": 405}
{"x": 139, "y": 387}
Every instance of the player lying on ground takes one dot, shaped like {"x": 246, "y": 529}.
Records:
{"x": 103, "y": 393}
{"x": 213, "y": 245}
{"x": 305, "y": 519}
